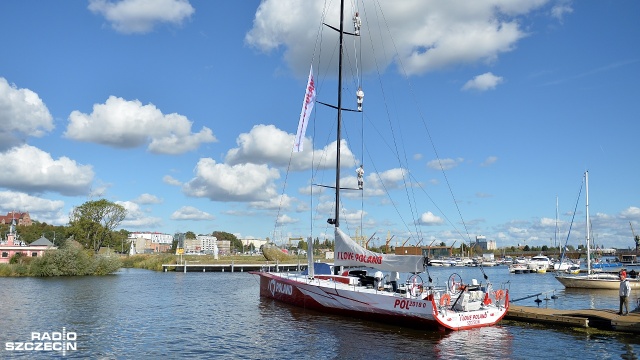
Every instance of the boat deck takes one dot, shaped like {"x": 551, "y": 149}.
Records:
{"x": 600, "y": 319}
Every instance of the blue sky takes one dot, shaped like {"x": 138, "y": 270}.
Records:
{"x": 184, "y": 112}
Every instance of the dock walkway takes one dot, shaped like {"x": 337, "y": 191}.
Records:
{"x": 193, "y": 266}
{"x": 600, "y": 319}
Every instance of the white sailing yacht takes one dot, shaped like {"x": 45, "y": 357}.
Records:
{"x": 593, "y": 280}
{"x": 456, "y": 306}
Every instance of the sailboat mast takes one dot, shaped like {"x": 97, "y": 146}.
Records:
{"x": 586, "y": 180}
{"x": 339, "y": 130}
{"x": 555, "y": 236}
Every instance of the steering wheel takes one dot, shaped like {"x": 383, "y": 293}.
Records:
{"x": 455, "y": 283}
{"x": 416, "y": 285}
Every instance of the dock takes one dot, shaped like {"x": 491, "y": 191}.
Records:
{"x": 589, "y": 318}
{"x": 193, "y": 266}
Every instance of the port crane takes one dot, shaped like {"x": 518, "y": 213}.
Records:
{"x": 635, "y": 237}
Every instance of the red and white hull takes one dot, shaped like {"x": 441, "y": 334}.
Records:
{"x": 343, "y": 296}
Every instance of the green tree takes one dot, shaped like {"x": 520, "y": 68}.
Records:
{"x": 38, "y": 229}
{"x": 93, "y": 223}
{"x": 119, "y": 241}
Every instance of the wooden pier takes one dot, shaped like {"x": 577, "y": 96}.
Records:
{"x": 193, "y": 266}
{"x": 589, "y": 318}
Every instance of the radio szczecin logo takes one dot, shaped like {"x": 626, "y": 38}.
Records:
{"x": 46, "y": 341}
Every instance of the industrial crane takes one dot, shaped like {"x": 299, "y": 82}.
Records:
{"x": 388, "y": 240}
{"x": 635, "y": 237}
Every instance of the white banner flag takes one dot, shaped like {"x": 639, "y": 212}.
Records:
{"x": 307, "y": 106}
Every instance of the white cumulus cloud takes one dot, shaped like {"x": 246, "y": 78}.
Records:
{"x": 128, "y": 124}
{"x": 168, "y": 179}
{"x": 141, "y": 16}
{"x": 191, "y": 213}
{"x": 444, "y": 164}
{"x": 22, "y": 113}
{"x": 286, "y": 219}
{"x": 486, "y": 81}
{"x": 29, "y": 169}
{"x": 266, "y": 144}
{"x": 241, "y": 182}
{"x": 430, "y": 218}
{"x": 283, "y": 201}
{"x": 145, "y": 199}
{"x": 428, "y": 35}
{"x": 137, "y": 217}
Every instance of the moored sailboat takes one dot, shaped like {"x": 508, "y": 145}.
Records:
{"x": 592, "y": 280}
{"x": 416, "y": 303}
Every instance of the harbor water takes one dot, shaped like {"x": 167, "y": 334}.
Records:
{"x": 139, "y": 314}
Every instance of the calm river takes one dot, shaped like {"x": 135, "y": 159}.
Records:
{"x": 139, "y": 314}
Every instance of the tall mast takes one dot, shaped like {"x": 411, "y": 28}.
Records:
{"x": 339, "y": 131}
{"x": 586, "y": 180}
{"x": 555, "y": 235}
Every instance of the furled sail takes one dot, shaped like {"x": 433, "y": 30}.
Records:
{"x": 349, "y": 253}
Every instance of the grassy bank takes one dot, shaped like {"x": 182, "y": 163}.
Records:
{"x": 70, "y": 260}
{"x": 155, "y": 261}
{"x": 75, "y": 261}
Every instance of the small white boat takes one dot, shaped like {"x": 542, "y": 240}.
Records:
{"x": 437, "y": 262}
{"x": 566, "y": 264}
{"x": 539, "y": 262}
{"x": 518, "y": 268}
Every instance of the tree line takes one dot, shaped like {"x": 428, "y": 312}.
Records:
{"x": 93, "y": 225}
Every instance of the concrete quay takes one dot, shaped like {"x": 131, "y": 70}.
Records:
{"x": 588, "y": 318}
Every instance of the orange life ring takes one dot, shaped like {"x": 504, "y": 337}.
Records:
{"x": 445, "y": 298}
{"x": 499, "y": 295}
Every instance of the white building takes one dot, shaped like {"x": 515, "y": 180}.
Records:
{"x": 155, "y": 237}
{"x": 485, "y": 244}
{"x": 207, "y": 243}
{"x": 149, "y": 242}
{"x": 257, "y": 243}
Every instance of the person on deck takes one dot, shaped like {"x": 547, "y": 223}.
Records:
{"x": 625, "y": 291}
{"x": 393, "y": 279}
{"x": 378, "y": 276}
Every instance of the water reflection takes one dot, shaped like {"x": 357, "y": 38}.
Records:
{"x": 595, "y": 298}
{"x": 482, "y": 343}
{"x": 145, "y": 314}
{"x": 629, "y": 353}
